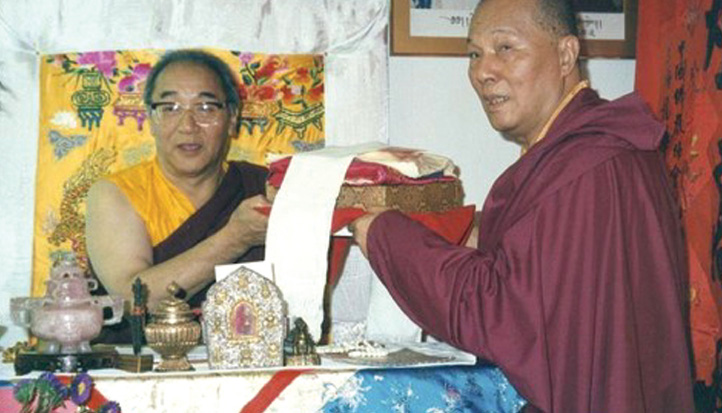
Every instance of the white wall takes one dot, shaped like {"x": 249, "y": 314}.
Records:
{"x": 432, "y": 106}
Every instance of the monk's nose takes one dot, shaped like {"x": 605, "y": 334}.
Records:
{"x": 187, "y": 121}
{"x": 483, "y": 70}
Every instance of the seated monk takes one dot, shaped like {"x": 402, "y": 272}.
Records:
{"x": 175, "y": 217}
{"x": 575, "y": 284}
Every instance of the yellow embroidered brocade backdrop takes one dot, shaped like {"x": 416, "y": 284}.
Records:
{"x": 93, "y": 122}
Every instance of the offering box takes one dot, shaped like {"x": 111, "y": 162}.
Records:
{"x": 438, "y": 196}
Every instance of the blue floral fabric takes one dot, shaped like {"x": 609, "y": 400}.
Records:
{"x": 429, "y": 390}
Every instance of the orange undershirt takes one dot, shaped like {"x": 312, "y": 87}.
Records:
{"x": 568, "y": 98}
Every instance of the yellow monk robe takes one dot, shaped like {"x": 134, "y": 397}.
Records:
{"x": 161, "y": 206}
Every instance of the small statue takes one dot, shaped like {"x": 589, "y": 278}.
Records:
{"x": 303, "y": 349}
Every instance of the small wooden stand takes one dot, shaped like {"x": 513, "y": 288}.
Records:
{"x": 135, "y": 364}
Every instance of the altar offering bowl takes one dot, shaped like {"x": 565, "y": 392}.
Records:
{"x": 172, "y": 333}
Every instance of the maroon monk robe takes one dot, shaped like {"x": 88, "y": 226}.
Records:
{"x": 578, "y": 287}
{"x": 241, "y": 181}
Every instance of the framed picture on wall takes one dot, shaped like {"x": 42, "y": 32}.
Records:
{"x": 439, "y": 27}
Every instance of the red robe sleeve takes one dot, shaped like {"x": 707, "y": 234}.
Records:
{"x": 581, "y": 302}
{"x": 461, "y": 295}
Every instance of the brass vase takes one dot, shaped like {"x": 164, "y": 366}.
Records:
{"x": 173, "y": 332}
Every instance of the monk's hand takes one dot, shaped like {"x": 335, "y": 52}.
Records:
{"x": 360, "y": 228}
{"x": 248, "y": 223}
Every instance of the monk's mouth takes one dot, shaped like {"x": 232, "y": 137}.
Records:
{"x": 495, "y": 101}
{"x": 190, "y": 147}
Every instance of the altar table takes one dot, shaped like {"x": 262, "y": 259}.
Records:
{"x": 456, "y": 386}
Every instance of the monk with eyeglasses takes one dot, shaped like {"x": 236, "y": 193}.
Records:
{"x": 175, "y": 217}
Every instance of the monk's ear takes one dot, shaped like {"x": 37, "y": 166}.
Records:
{"x": 154, "y": 127}
{"x": 234, "y": 123}
{"x": 568, "y": 48}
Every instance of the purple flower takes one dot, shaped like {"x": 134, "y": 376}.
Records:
{"x": 110, "y": 407}
{"x": 50, "y": 392}
{"x": 80, "y": 388}
{"x": 103, "y": 61}
{"x": 53, "y": 381}
{"x": 246, "y": 58}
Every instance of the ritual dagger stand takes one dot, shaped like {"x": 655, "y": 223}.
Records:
{"x": 137, "y": 362}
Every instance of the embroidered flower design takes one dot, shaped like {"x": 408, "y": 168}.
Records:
{"x": 269, "y": 68}
{"x": 288, "y": 94}
{"x": 103, "y": 61}
{"x": 257, "y": 78}
{"x": 351, "y": 394}
{"x": 132, "y": 81}
{"x": 245, "y": 58}
{"x": 315, "y": 94}
{"x": 305, "y": 87}
{"x": 302, "y": 75}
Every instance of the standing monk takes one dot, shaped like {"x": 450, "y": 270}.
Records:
{"x": 575, "y": 283}
{"x": 175, "y": 217}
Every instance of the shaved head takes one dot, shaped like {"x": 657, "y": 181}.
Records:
{"x": 555, "y": 16}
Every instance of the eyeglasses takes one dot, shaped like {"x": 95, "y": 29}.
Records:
{"x": 204, "y": 113}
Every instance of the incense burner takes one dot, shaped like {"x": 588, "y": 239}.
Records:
{"x": 67, "y": 317}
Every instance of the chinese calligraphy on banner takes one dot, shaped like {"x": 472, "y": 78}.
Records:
{"x": 679, "y": 73}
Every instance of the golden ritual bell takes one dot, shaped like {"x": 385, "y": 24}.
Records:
{"x": 173, "y": 332}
